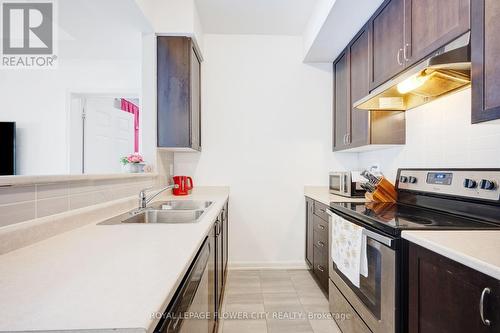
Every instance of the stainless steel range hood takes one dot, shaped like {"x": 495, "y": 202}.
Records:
{"x": 447, "y": 70}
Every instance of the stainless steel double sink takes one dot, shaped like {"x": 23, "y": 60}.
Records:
{"x": 168, "y": 212}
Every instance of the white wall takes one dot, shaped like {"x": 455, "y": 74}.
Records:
{"x": 440, "y": 134}
{"x": 175, "y": 17}
{"x": 148, "y": 100}
{"x": 266, "y": 121}
{"x": 38, "y": 101}
{"x": 100, "y": 51}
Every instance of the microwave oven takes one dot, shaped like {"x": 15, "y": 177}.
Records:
{"x": 346, "y": 183}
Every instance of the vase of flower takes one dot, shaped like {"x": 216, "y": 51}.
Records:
{"x": 133, "y": 163}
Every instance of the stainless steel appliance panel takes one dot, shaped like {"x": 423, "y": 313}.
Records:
{"x": 341, "y": 183}
{"x": 343, "y": 313}
{"x": 192, "y": 302}
{"x": 375, "y": 300}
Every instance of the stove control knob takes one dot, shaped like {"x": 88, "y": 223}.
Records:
{"x": 412, "y": 180}
{"x": 470, "y": 183}
{"x": 488, "y": 185}
{"x": 403, "y": 179}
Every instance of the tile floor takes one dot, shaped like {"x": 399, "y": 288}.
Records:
{"x": 275, "y": 301}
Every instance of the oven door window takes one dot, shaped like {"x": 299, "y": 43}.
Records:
{"x": 369, "y": 291}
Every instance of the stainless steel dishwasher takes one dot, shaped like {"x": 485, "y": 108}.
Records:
{"x": 191, "y": 310}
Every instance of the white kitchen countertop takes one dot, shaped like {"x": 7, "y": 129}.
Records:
{"x": 323, "y": 195}
{"x": 479, "y": 250}
{"x": 101, "y": 277}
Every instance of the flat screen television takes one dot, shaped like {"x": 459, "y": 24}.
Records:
{"x": 7, "y": 148}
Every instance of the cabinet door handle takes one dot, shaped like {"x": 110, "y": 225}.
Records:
{"x": 345, "y": 135}
{"x": 398, "y": 57}
{"x": 486, "y": 291}
{"x": 405, "y": 52}
{"x": 320, "y": 268}
{"x": 320, "y": 243}
{"x": 348, "y": 138}
{"x": 217, "y": 228}
{"x": 322, "y": 227}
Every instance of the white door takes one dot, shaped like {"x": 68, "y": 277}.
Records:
{"x": 109, "y": 135}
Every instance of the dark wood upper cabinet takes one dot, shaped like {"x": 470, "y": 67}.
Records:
{"x": 178, "y": 93}
{"x": 430, "y": 24}
{"x": 359, "y": 87}
{"x": 386, "y": 42}
{"x": 404, "y": 32}
{"x": 445, "y": 296}
{"x": 195, "y": 85}
{"x": 400, "y": 34}
{"x": 485, "y": 40}
{"x": 355, "y": 128}
{"x": 342, "y": 102}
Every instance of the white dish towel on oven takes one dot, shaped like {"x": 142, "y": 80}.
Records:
{"x": 348, "y": 249}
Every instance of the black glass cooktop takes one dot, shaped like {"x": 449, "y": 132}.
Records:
{"x": 392, "y": 218}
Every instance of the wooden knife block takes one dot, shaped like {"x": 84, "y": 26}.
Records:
{"x": 385, "y": 192}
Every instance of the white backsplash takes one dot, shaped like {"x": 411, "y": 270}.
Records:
{"x": 440, "y": 134}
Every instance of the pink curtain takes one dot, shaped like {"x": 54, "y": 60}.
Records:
{"x": 130, "y": 107}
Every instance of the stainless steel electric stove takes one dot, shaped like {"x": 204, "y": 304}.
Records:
{"x": 428, "y": 199}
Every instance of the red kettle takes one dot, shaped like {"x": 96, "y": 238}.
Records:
{"x": 182, "y": 187}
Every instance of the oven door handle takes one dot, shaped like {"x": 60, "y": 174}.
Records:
{"x": 368, "y": 233}
{"x": 378, "y": 237}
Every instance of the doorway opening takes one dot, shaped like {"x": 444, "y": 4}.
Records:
{"x": 103, "y": 129}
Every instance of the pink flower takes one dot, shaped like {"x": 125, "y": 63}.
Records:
{"x": 135, "y": 158}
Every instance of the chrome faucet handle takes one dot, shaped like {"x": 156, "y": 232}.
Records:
{"x": 143, "y": 197}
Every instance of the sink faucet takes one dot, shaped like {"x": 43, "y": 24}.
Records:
{"x": 144, "y": 199}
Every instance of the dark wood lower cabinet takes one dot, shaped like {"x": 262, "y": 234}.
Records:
{"x": 320, "y": 268}
{"x": 448, "y": 297}
{"x": 317, "y": 241}
{"x": 219, "y": 263}
{"x": 225, "y": 245}
{"x": 309, "y": 231}
{"x": 202, "y": 288}
{"x": 221, "y": 252}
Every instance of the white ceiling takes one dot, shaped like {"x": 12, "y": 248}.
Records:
{"x": 271, "y": 17}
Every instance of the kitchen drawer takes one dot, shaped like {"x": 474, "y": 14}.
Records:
{"x": 321, "y": 240}
{"x": 321, "y": 266}
{"x": 320, "y": 210}
{"x": 343, "y": 313}
{"x": 320, "y": 225}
